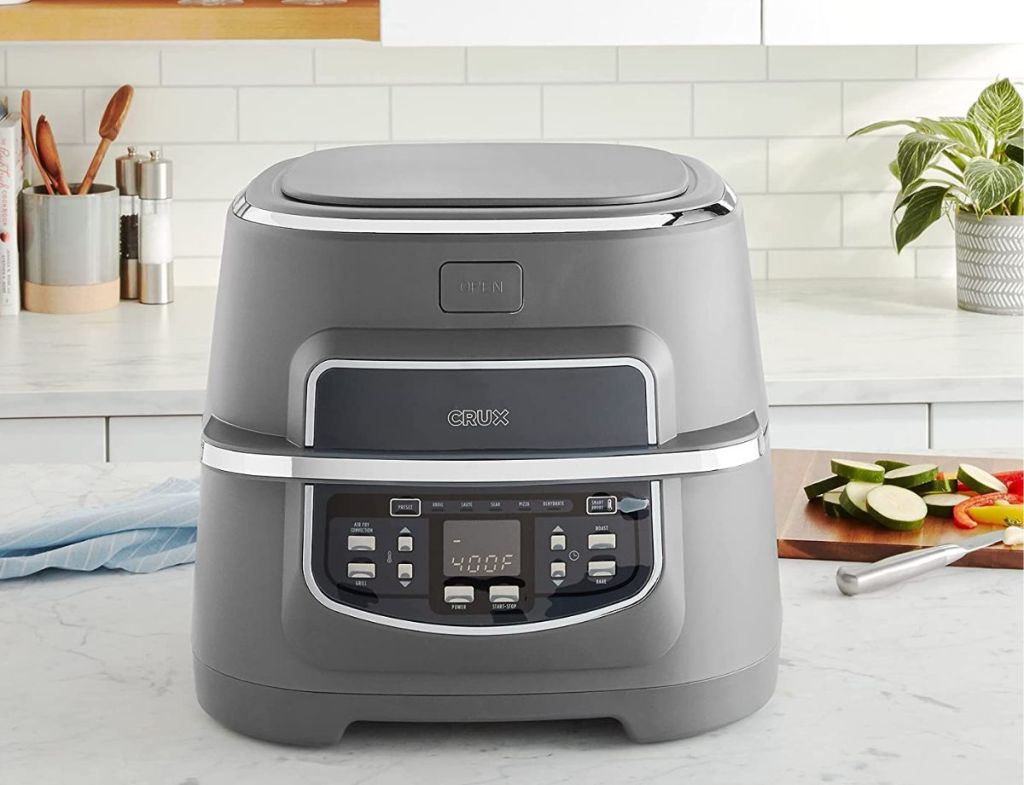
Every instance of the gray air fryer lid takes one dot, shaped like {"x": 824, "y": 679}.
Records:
{"x": 485, "y": 175}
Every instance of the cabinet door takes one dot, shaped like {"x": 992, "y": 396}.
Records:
{"x": 795, "y": 22}
{"x": 155, "y": 438}
{"x": 569, "y": 22}
{"x": 862, "y": 428}
{"x": 53, "y": 440}
{"x": 976, "y": 427}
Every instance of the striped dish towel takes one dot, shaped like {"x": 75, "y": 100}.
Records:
{"x": 143, "y": 533}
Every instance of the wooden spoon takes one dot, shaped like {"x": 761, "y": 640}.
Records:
{"x": 26, "y": 131}
{"x": 49, "y": 156}
{"x": 110, "y": 127}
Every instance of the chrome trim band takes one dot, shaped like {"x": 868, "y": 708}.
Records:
{"x": 456, "y": 471}
{"x": 452, "y": 629}
{"x": 455, "y": 365}
{"x": 318, "y": 223}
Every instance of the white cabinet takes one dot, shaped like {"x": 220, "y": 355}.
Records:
{"x": 53, "y": 440}
{"x": 857, "y": 428}
{"x": 797, "y": 22}
{"x": 569, "y": 22}
{"x": 964, "y": 427}
{"x": 154, "y": 438}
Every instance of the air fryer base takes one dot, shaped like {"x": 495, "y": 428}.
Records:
{"x": 647, "y": 715}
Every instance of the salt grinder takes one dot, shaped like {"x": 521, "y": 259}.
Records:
{"x": 156, "y": 257}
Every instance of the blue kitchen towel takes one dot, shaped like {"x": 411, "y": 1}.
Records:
{"x": 143, "y": 533}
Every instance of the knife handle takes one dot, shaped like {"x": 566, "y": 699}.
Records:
{"x": 870, "y": 577}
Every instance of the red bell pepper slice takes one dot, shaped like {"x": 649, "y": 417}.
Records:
{"x": 1014, "y": 482}
{"x": 963, "y": 520}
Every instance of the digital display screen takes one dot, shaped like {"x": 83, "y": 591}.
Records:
{"x": 481, "y": 548}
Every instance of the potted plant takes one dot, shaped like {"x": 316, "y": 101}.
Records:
{"x": 969, "y": 168}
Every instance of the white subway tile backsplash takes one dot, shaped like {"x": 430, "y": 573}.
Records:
{"x": 792, "y": 221}
{"x": 196, "y": 270}
{"x": 466, "y": 112}
{"x": 812, "y": 165}
{"x": 841, "y": 62}
{"x": 101, "y": 65}
{"x": 198, "y": 228}
{"x": 170, "y": 114}
{"x": 771, "y": 120}
{"x": 866, "y": 224}
{"x": 541, "y": 64}
{"x": 839, "y": 263}
{"x": 62, "y": 107}
{"x": 971, "y": 62}
{"x": 220, "y": 171}
{"x": 868, "y": 102}
{"x": 936, "y": 262}
{"x": 767, "y": 109}
{"x": 356, "y": 62}
{"x": 758, "y": 265}
{"x": 308, "y": 114}
{"x": 742, "y": 162}
{"x": 622, "y": 111}
{"x": 691, "y": 63}
{"x": 257, "y": 63}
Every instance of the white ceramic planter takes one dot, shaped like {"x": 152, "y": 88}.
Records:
{"x": 990, "y": 263}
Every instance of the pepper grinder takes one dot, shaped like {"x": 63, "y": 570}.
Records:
{"x": 156, "y": 258}
{"x": 126, "y": 168}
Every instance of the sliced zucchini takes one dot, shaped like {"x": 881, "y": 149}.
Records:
{"x": 816, "y": 489}
{"x": 858, "y": 470}
{"x": 890, "y": 465}
{"x": 896, "y": 508}
{"x": 854, "y": 499}
{"x": 979, "y": 480}
{"x": 833, "y": 508}
{"x": 938, "y": 485}
{"x": 912, "y": 476}
{"x": 942, "y": 504}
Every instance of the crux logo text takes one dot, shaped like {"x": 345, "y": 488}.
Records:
{"x": 477, "y": 418}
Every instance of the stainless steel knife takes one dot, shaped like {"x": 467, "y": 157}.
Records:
{"x": 859, "y": 578}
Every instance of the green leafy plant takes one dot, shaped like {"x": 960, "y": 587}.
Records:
{"x": 970, "y": 164}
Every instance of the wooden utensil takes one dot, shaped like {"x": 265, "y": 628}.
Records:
{"x": 30, "y": 142}
{"x": 49, "y": 156}
{"x": 110, "y": 127}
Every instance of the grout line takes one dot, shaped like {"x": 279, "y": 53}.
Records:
{"x": 160, "y": 67}
{"x": 465, "y": 65}
{"x": 931, "y": 427}
{"x": 391, "y": 113}
{"x": 106, "y": 440}
{"x": 312, "y": 54}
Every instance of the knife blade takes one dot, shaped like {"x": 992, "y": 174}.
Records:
{"x": 860, "y": 578}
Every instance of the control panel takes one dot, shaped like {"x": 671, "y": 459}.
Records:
{"x": 494, "y": 556}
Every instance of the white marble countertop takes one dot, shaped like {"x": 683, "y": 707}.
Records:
{"x": 920, "y": 683}
{"x": 853, "y": 341}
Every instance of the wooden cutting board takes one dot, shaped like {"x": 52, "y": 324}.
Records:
{"x": 806, "y": 532}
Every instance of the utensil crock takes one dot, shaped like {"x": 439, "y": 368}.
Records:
{"x": 70, "y": 250}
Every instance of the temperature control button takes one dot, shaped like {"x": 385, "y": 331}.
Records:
{"x": 404, "y": 543}
{"x": 602, "y": 505}
{"x": 404, "y": 571}
{"x": 362, "y": 569}
{"x": 558, "y": 542}
{"x": 405, "y": 508}
{"x": 601, "y": 542}
{"x": 458, "y": 595}
{"x": 558, "y": 569}
{"x": 362, "y": 542}
{"x": 601, "y": 568}
{"x": 504, "y": 593}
